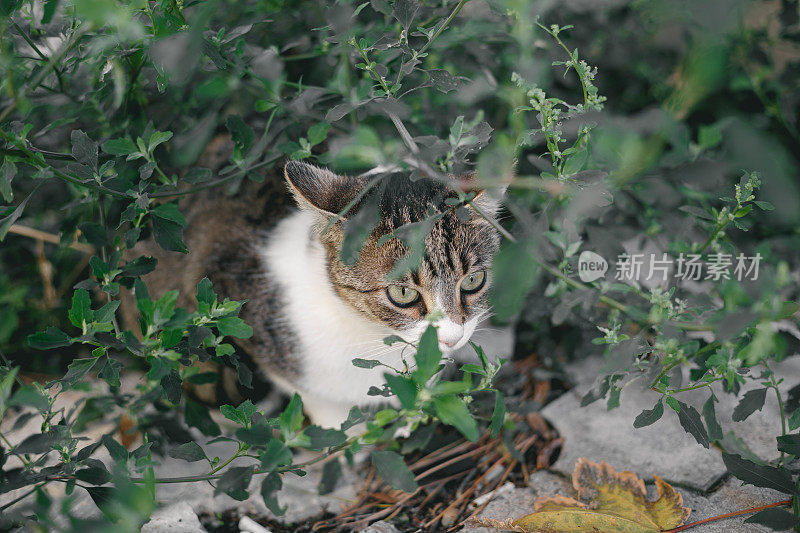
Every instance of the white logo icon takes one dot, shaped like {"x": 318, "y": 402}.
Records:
{"x": 591, "y": 266}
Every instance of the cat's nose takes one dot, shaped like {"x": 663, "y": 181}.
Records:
{"x": 450, "y": 334}
{"x": 449, "y": 340}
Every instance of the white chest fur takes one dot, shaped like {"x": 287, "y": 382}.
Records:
{"x": 329, "y": 333}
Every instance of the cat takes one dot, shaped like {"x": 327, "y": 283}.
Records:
{"x": 313, "y": 312}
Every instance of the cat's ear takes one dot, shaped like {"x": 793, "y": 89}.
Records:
{"x": 487, "y": 199}
{"x": 319, "y": 189}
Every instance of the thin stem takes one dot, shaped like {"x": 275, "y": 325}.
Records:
{"x": 25, "y": 495}
{"x": 693, "y": 387}
{"x": 35, "y": 162}
{"x": 40, "y": 54}
{"x": 226, "y": 463}
{"x": 774, "y": 385}
{"x": 210, "y": 184}
{"x": 728, "y": 515}
{"x": 441, "y": 29}
{"x": 54, "y": 59}
{"x": 17, "y": 455}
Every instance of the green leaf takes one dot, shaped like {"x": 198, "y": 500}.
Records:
{"x": 171, "y": 386}
{"x": 751, "y": 402}
{"x": 453, "y": 411}
{"x": 317, "y": 133}
{"x": 768, "y": 477}
{"x": 241, "y": 133}
{"x": 49, "y": 10}
{"x": 168, "y": 224}
{"x": 290, "y": 420}
{"x": 76, "y": 370}
{"x": 673, "y": 404}
{"x": 106, "y": 313}
{"x": 405, "y": 11}
{"x": 26, "y": 395}
{"x": 507, "y": 297}
{"x": 269, "y": 490}
{"x": 276, "y": 454}
{"x": 790, "y": 444}
{"x": 235, "y": 481}
{"x": 84, "y": 150}
{"x": 189, "y": 451}
{"x": 710, "y": 416}
{"x": 97, "y": 474}
{"x": 498, "y": 415}
{"x": 139, "y": 266}
{"x": 794, "y": 420}
{"x": 235, "y": 327}
{"x": 649, "y": 416}
{"x": 205, "y": 292}
{"x": 692, "y": 423}
{"x": 169, "y": 235}
{"x": 8, "y": 221}
{"x": 776, "y": 519}
{"x": 232, "y": 414}
{"x": 256, "y": 435}
{"x": 118, "y": 452}
{"x": 197, "y": 416}
{"x": 404, "y": 388}
{"x": 164, "y": 307}
{"x": 110, "y": 372}
{"x": 197, "y": 175}
{"x": 94, "y": 233}
{"x": 7, "y": 172}
{"x": 321, "y": 438}
{"x": 119, "y": 147}
{"x": 576, "y": 161}
{"x": 157, "y": 138}
{"x": 331, "y": 473}
{"x": 52, "y": 337}
{"x": 428, "y": 356}
{"x": 393, "y": 470}
{"x": 366, "y": 363}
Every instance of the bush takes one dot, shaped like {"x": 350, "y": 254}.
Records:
{"x": 677, "y": 134}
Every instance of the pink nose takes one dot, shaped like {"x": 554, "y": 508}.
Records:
{"x": 449, "y": 342}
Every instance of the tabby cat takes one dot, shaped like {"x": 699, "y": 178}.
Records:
{"x": 313, "y": 312}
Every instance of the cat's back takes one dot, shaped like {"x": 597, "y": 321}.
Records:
{"x": 222, "y": 236}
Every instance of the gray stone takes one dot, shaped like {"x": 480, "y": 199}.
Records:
{"x": 380, "y": 527}
{"x": 177, "y": 518}
{"x": 518, "y": 502}
{"x": 664, "y": 448}
{"x": 730, "y": 497}
{"x": 299, "y": 494}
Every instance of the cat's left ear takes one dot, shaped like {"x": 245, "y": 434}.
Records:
{"x": 319, "y": 189}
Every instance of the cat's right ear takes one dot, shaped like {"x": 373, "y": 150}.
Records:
{"x": 319, "y": 189}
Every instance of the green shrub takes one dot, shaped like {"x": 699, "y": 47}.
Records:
{"x": 677, "y": 145}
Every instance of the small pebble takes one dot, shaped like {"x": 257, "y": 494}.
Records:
{"x": 248, "y": 525}
{"x": 480, "y": 500}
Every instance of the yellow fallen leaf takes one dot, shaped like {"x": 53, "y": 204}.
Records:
{"x": 606, "y": 501}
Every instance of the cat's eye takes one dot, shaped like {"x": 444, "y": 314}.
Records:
{"x": 473, "y": 282}
{"x": 402, "y": 296}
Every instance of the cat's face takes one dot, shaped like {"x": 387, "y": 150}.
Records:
{"x": 453, "y": 276}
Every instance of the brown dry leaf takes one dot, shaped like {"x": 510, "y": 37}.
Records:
{"x": 607, "y": 501}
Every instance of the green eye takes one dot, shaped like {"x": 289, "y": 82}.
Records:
{"x": 473, "y": 282}
{"x": 402, "y": 296}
